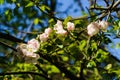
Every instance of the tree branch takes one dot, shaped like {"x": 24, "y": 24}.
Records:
{"x": 11, "y": 38}
{"x": 34, "y": 73}
{"x": 41, "y": 69}
{"x": 116, "y": 4}
{"x": 60, "y": 66}
{"x": 8, "y": 46}
{"x": 81, "y": 70}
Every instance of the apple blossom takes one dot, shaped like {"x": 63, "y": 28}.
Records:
{"x": 33, "y": 44}
{"x": 30, "y": 57}
{"x": 23, "y": 51}
{"x": 43, "y": 37}
{"x": 92, "y": 29}
{"x": 70, "y": 26}
{"x": 58, "y": 26}
{"x": 48, "y": 31}
{"x": 62, "y": 32}
{"x": 103, "y": 25}
{"x": 59, "y": 22}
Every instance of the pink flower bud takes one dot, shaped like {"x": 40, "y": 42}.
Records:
{"x": 103, "y": 25}
{"x": 92, "y": 29}
{"x": 48, "y": 31}
{"x": 70, "y": 26}
{"x": 43, "y": 37}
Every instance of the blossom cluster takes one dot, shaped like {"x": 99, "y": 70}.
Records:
{"x": 28, "y": 51}
{"x": 94, "y": 27}
{"x": 58, "y": 28}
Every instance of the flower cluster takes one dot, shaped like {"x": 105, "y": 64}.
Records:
{"x": 94, "y": 27}
{"x": 27, "y": 51}
{"x": 58, "y": 28}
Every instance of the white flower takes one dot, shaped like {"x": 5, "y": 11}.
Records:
{"x": 33, "y": 44}
{"x": 25, "y": 52}
{"x": 59, "y": 28}
{"x": 103, "y": 25}
{"x": 48, "y": 31}
{"x": 92, "y": 29}
{"x": 58, "y": 25}
{"x": 59, "y": 22}
{"x": 70, "y": 26}
{"x": 62, "y": 32}
{"x": 30, "y": 57}
{"x": 43, "y": 37}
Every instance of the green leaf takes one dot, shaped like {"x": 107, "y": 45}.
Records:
{"x": 109, "y": 66}
{"x": 82, "y": 45}
{"x": 18, "y": 4}
{"x": 101, "y": 55}
{"x": 60, "y": 46}
{"x": 67, "y": 20}
{"x": 1, "y": 1}
{"x": 52, "y": 69}
{"x": 29, "y": 4}
{"x": 60, "y": 52}
{"x": 118, "y": 45}
{"x": 94, "y": 45}
{"x": 44, "y": 7}
{"x": 119, "y": 23}
{"x": 36, "y": 21}
{"x": 13, "y": 0}
{"x": 7, "y": 12}
{"x": 65, "y": 58}
{"x": 91, "y": 64}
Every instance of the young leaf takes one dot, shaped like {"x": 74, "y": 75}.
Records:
{"x": 29, "y": 4}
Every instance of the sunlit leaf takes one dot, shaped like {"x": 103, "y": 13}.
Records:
{"x": 36, "y": 21}
{"x": 108, "y": 66}
{"x": 60, "y": 46}
{"x": 91, "y": 64}
{"x": 29, "y": 4}
{"x": 82, "y": 45}
{"x": 44, "y": 7}
{"x": 118, "y": 45}
{"x": 1, "y": 2}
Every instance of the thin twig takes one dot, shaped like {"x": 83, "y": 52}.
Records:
{"x": 8, "y": 46}
{"x": 41, "y": 69}
{"x": 116, "y": 4}
{"x": 106, "y": 2}
{"x": 11, "y": 38}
